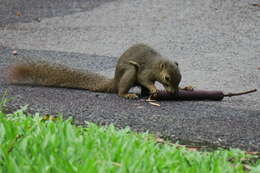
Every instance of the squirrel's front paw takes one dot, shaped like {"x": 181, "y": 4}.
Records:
{"x": 130, "y": 96}
{"x": 154, "y": 95}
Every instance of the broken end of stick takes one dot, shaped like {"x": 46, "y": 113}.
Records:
{"x": 240, "y": 93}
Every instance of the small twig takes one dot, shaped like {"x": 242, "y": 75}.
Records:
{"x": 240, "y": 93}
{"x": 152, "y": 102}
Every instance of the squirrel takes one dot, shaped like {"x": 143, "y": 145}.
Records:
{"x": 140, "y": 65}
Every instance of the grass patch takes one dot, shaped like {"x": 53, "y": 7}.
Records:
{"x": 31, "y": 144}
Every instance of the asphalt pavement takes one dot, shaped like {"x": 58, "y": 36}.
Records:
{"x": 215, "y": 42}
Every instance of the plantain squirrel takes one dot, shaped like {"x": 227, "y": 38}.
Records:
{"x": 140, "y": 65}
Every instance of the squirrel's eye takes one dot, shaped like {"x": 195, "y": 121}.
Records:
{"x": 177, "y": 63}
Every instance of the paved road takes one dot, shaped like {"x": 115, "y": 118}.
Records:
{"x": 215, "y": 42}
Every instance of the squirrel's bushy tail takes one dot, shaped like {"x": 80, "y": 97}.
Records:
{"x": 55, "y": 75}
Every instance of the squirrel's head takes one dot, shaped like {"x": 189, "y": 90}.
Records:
{"x": 170, "y": 76}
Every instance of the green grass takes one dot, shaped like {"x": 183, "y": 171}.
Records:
{"x": 31, "y": 144}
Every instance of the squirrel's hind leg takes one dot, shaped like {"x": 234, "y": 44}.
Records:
{"x": 127, "y": 80}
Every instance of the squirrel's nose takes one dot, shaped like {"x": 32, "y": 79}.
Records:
{"x": 170, "y": 89}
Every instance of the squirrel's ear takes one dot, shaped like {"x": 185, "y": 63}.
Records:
{"x": 134, "y": 63}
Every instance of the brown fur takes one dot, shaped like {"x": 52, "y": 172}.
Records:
{"x": 140, "y": 65}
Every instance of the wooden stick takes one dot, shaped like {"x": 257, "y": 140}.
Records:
{"x": 196, "y": 95}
